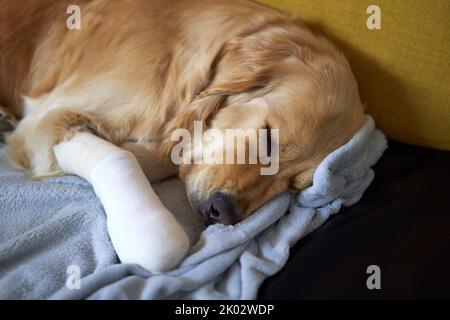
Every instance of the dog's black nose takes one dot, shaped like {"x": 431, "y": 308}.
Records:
{"x": 6, "y": 126}
{"x": 221, "y": 209}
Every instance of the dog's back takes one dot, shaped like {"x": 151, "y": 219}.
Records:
{"x": 32, "y": 32}
{"x": 23, "y": 24}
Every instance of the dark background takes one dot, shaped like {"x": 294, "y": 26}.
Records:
{"x": 402, "y": 224}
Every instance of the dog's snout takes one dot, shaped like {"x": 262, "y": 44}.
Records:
{"x": 6, "y": 126}
{"x": 220, "y": 208}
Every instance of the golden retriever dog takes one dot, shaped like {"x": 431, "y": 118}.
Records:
{"x": 137, "y": 70}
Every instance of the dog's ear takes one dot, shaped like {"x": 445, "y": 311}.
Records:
{"x": 243, "y": 64}
{"x": 237, "y": 68}
{"x": 247, "y": 63}
{"x": 201, "y": 109}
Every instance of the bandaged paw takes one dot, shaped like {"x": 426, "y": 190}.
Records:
{"x": 141, "y": 229}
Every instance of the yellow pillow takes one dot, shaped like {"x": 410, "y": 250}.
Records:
{"x": 403, "y": 69}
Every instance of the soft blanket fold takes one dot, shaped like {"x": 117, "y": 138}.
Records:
{"x": 47, "y": 226}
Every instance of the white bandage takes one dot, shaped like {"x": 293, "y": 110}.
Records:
{"x": 141, "y": 229}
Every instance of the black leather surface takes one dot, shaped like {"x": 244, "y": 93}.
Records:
{"x": 402, "y": 224}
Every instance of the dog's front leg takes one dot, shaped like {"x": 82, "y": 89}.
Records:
{"x": 155, "y": 167}
{"x": 142, "y": 230}
{"x": 30, "y": 145}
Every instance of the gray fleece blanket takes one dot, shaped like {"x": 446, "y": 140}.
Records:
{"x": 53, "y": 232}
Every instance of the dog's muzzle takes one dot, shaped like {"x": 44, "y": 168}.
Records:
{"x": 219, "y": 208}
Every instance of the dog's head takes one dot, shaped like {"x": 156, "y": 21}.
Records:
{"x": 271, "y": 79}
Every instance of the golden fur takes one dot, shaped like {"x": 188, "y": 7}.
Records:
{"x": 139, "y": 69}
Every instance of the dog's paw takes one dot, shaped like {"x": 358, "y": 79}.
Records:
{"x": 7, "y": 123}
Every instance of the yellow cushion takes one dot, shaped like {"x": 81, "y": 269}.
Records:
{"x": 403, "y": 69}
